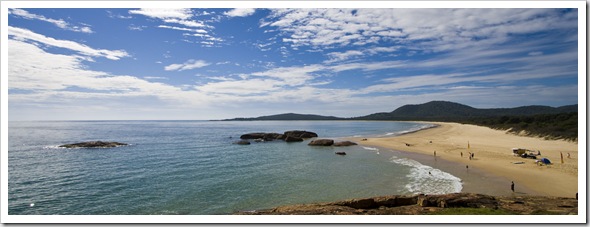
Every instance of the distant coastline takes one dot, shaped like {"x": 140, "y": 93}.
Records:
{"x": 543, "y": 121}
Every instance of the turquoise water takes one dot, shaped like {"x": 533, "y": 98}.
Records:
{"x": 192, "y": 167}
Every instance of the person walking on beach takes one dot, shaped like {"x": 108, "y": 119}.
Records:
{"x": 434, "y": 153}
{"x": 512, "y": 186}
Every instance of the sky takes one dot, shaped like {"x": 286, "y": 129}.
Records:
{"x": 218, "y": 63}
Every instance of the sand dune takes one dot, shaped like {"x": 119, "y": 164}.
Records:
{"x": 493, "y": 154}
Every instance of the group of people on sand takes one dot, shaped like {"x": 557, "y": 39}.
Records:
{"x": 471, "y": 155}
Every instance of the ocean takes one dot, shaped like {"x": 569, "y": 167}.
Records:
{"x": 193, "y": 167}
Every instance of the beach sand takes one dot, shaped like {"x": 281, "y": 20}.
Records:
{"x": 492, "y": 169}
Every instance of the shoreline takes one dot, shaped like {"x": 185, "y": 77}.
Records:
{"x": 492, "y": 169}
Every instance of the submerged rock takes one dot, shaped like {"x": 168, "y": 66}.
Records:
{"x": 242, "y": 142}
{"x": 94, "y": 144}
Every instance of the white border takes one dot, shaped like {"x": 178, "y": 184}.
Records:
{"x": 580, "y": 218}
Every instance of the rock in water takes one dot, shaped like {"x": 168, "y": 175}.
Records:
{"x": 94, "y": 144}
{"x": 321, "y": 142}
{"x": 301, "y": 134}
{"x": 344, "y": 144}
{"x": 293, "y": 139}
{"x": 252, "y": 136}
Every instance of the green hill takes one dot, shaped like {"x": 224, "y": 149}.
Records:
{"x": 450, "y": 111}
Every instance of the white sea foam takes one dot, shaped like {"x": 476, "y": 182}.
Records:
{"x": 413, "y": 129}
{"x": 376, "y": 150}
{"x": 53, "y": 147}
{"x": 427, "y": 180}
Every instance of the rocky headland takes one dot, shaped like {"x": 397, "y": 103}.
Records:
{"x": 455, "y": 203}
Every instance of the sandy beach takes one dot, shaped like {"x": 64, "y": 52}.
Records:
{"x": 493, "y": 165}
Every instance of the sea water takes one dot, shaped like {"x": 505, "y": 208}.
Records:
{"x": 193, "y": 167}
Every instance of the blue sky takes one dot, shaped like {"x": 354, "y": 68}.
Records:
{"x": 214, "y": 63}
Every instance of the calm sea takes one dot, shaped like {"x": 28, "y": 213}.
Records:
{"x": 192, "y": 167}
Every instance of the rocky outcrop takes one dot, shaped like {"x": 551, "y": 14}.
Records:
{"x": 253, "y": 136}
{"x": 94, "y": 144}
{"x": 300, "y": 134}
{"x": 344, "y": 144}
{"x": 288, "y": 136}
{"x": 293, "y": 136}
{"x": 432, "y": 204}
{"x": 321, "y": 142}
{"x": 458, "y": 200}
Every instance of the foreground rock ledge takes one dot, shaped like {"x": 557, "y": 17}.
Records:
{"x": 94, "y": 144}
{"x": 429, "y": 204}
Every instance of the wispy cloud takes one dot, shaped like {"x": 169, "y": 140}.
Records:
{"x": 57, "y": 22}
{"x": 183, "y": 29}
{"x": 190, "y": 64}
{"x": 170, "y": 15}
{"x": 428, "y": 29}
{"x": 24, "y": 34}
{"x": 183, "y": 17}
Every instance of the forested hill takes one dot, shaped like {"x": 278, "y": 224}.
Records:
{"x": 450, "y": 111}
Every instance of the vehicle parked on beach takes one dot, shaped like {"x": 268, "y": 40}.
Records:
{"x": 525, "y": 153}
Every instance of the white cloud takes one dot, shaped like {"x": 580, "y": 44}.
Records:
{"x": 24, "y": 34}
{"x": 164, "y": 13}
{"x": 190, "y": 64}
{"x": 57, "y": 79}
{"x": 59, "y": 23}
{"x": 240, "y": 12}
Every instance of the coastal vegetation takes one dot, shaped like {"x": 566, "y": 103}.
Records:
{"x": 548, "y": 126}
